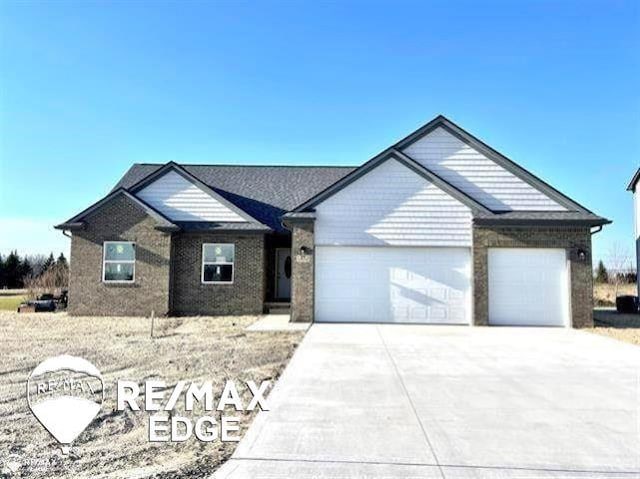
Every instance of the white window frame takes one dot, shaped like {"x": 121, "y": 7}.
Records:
{"x": 105, "y": 261}
{"x": 232, "y": 263}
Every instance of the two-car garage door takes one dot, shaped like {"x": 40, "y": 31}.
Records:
{"x": 393, "y": 284}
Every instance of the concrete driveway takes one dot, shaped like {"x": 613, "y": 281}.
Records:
{"x": 402, "y": 401}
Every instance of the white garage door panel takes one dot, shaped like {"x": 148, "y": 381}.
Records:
{"x": 528, "y": 287}
{"x": 388, "y": 284}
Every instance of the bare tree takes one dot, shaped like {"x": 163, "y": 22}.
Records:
{"x": 619, "y": 260}
{"x": 53, "y": 281}
{"x": 37, "y": 262}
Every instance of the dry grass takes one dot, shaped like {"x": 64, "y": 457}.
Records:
{"x": 605, "y": 294}
{"x": 116, "y": 443}
{"x": 625, "y": 327}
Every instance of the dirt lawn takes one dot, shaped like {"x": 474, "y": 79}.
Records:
{"x": 604, "y": 295}
{"x": 116, "y": 443}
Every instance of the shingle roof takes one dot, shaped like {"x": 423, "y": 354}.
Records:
{"x": 268, "y": 192}
{"x": 264, "y": 192}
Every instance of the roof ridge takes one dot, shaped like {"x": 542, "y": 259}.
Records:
{"x": 249, "y": 166}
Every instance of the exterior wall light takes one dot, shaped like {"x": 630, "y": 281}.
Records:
{"x": 582, "y": 254}
{"x": 305, "y": 250}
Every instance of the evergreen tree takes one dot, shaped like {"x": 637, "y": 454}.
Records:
{"x": 25, "y": 269}
{"x": 3, "y": 276}
{"x": 12, "y": 270}
{"x": 62, "y": 261}
{"x": 50, "y": 261}
{"x": 602, "y": 275}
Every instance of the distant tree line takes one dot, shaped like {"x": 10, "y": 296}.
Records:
{"x": 604, "y": 275}
{"x": 17, "y": 271}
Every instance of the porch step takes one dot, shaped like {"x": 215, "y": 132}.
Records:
{"x": 277, "y": 307}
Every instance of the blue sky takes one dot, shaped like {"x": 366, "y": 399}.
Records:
{"x": 88, "y": 88}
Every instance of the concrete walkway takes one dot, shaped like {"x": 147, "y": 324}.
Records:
{"x": 401, "y": 401}
{"x": 276, "y": 322}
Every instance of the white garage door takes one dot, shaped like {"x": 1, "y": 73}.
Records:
{"x": 528, "y": 287}
{"x": 393, "y": 284}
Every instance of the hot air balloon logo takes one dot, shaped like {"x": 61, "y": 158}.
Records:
{"x": 65, "y": 393}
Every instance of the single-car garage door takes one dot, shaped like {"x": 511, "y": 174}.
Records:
{"x": 393, "y": 284}
{"x": 528, "y": 287}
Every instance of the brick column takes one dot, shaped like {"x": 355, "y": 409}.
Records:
{"x": 480, "y": 278}
{"x": 302, "y": 274}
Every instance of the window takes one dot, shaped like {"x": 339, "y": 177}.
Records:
{"x": 217, "y": 262}
{"x": 119, "y": 262}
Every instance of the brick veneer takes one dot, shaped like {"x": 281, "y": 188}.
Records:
{"x": 302, "y": 280}
{"x": 168, "y": 268}
{"x": 568, "y": 238}
{"x": 120, "y": 219}
{"x": 244, "y": 296}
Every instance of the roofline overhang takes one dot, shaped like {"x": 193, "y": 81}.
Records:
{"x": 78, "y": 225}
{"x": 299, "y": 216}
{"x": 168, "y": 229}
{"x": 634, "y": 181}
{"x": 289, "y": 220}
{"x": 227, "y": 231}
{"x": 539, "y": 222}
{"x": 77, "y": 222}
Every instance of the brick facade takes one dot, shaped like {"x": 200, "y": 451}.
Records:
{"x": 120, "y": 219}
{"x": 169, "y": 266}
{"x": 244, "y": 296}
{"x": 302, "y": 275}
{"x": 570, "y": 238}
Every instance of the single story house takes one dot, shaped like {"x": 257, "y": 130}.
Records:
{"x": 636, "y": 220}
{"x": 437, "y": 228}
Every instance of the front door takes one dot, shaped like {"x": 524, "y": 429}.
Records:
{"x": 283, "y": 273}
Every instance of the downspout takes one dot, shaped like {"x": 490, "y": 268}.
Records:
{"x": 597, "y": 230}
{"x": 68, "y": 235}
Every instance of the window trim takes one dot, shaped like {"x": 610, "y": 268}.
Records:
{"x": 105, "y": 261}
{"x": 232, "y": 263}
